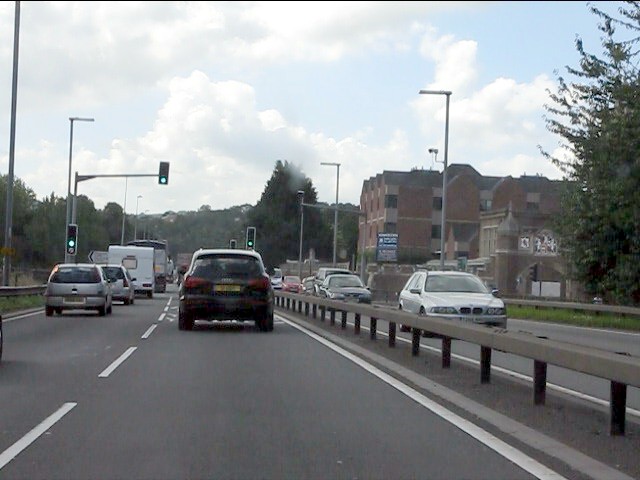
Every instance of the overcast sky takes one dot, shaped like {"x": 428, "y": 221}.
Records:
{"x": 222, "y": 90}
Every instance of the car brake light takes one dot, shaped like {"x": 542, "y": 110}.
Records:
{"x": 262, "y": 283}
{"x": 194, "y": 282}
{"x": 125, "y": 283}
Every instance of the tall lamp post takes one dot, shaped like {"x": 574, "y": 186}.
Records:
{"x": 68, "y": 258}
{"x": 301, "y": 196}
{"x": 124, "y": 210}
{"x": 444, "y": 171}
{"x": 135, "y": 224}
{"x": 335, "y": 217}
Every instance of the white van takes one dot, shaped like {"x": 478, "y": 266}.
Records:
{"x": 140, "y": 263}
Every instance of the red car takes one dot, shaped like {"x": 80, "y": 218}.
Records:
{"x": 291, "y": 283}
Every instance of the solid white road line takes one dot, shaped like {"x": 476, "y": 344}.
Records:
{"x": 117, "y": 363}
{"x": 14, "y": 450}
{"x": 511, "y": 373}
{"x": 149, "y": 331}
{"x": 509, "y": 452}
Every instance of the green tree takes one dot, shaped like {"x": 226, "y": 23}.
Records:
{"x": 597, "y": 114}
{"x": 276, "y": 217}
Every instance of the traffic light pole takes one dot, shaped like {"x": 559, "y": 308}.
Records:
{"x": 83, "y": 178}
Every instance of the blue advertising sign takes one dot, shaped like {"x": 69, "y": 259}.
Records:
{"x": 387, "y": 247}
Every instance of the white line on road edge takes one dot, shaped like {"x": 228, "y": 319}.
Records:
{"x": 149, "y": 331}
{"x": 161, "y": 317}
{"x": 523, "y": 461}
{"x": 14, "y": 450}
{"x": 117, "y": 363}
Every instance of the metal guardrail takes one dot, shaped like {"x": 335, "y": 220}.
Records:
{"x": 620, "y": 369}
{"x": 20, "y": 291}
{"x": 392, "y": 297}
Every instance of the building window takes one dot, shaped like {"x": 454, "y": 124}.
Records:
{"x": 437, "y": 203}
{"x": 435, "y": 231}
{"x": 533, "y": 206}
{"x": 391, "y": 227}
{"x": 391, "y": 201}
{"x": 485, "y": 205}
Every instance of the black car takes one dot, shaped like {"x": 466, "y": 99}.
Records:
{"x": 347, "y": 287}
{"x": 226, "y": 284}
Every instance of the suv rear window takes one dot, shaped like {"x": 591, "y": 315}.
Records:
{"x": 213, "y": 267}
{"x": 75, "y": 275}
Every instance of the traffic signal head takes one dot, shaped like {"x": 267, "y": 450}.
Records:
{"x": 251, "y": 238}
{"x": 163, "y": 174}
{"x": 533, "y": 272}
{"x": 72, "y": 238}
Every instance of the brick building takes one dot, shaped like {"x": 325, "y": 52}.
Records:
{"x": 499, "y": 225}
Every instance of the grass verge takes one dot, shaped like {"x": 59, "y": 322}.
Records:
{"x": 570, "y": 317}
{"x": 23, "y": 302}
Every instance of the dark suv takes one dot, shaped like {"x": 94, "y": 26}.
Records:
{"x": 225, "y": 284}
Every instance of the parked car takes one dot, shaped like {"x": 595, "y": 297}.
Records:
{"x": 347, "y": 287}
{"x": 291, "y": 283}
{"x": 276, "y": 279}
{"x": 122, "y": 287}
{"x": 452, "y": 295}
{"x": 226, "y": 284}
{"x": 324, "y": 272}
{"x": 77, "y": 286}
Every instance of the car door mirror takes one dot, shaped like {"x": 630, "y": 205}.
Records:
{"x": 495, "y": 292}
{"x": 415, "y": 290}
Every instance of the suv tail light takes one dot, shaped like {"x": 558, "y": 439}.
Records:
{"x": 261, "y": 283}
{"x": 194, "y": 282}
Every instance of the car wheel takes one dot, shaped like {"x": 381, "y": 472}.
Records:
{"x": 48, "y": 311}
{"x": 185, "y": 320}
{"x": 110, "y": 309}
{"x": 127, "y": 301}
{"x": 102, "y": 311}
{"x": 150, "y": 294}
{"x": 58, "y": 310}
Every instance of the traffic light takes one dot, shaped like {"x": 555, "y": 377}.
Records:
{"x": 533, "y": 272}
{"x": 251, "y": 238}
{"x": 72, "y": 238}
{"x": 163, "y": 174}
{"x": 232, "y": 243}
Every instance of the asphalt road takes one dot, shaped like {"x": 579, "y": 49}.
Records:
{"x": 129, "y": 396}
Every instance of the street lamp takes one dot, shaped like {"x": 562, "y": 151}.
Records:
{"x": 124, "y": 210}
{"x": 335, "y": 217}
{"x": 135, "y": 224}
{"x": 301, "y": 196}
{"x": 434, "y": 151}
{"x": 444, "y": 171}
{"x": 67, "y": 257}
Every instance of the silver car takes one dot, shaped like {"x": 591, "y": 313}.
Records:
{"x": 77, "y": 286}
{"x": 122, "y": 289}
{"x": 454, "y": 295}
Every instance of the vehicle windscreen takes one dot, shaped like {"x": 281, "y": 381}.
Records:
{"x": 75, "y": 275}
{"x": 291, "y": 279}
{"x": 216, "y": 267}
{"x": 451, "y": 283}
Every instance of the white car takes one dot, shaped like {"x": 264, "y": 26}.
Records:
{"x": 455, "y": 295}
{"x": 276, "y": 279}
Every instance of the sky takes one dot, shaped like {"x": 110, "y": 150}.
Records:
{"x": 223, "y": 90}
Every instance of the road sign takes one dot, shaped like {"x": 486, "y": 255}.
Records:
{"x": 97, "y": 256}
